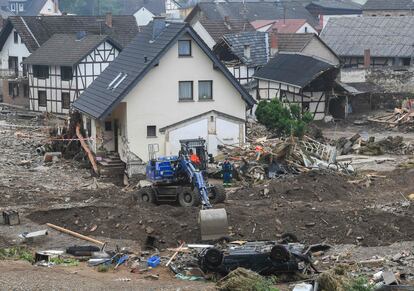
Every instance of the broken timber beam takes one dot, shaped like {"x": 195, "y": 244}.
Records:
{"x": 86, "y": 149}
{"x": 75, "y": 234}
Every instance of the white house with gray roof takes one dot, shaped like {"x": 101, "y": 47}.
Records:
{"x": 64, "y": 66}
{"x": 164, "y": 87}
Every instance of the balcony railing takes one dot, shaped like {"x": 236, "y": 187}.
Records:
{"x": 12, "y": 74}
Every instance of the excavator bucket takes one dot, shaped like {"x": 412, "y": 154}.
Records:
{"x": 213, "y": 224}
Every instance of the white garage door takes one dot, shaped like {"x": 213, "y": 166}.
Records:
{"x": 188, "y": 131}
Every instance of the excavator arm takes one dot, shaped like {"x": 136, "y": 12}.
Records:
{"x": 196, "y": 178}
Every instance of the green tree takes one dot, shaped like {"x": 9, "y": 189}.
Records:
{"x": 283, "y": 118}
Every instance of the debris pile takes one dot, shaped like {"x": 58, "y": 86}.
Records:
{"x": 358, "y": 145}
{"x": 403, "y": 116}
{"x": 274, "y": 157}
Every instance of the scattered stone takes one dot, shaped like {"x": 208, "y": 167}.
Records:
{"x": 149, "y": 230}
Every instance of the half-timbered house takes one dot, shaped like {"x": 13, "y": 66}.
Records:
{"x": 300, "y": 79}
{"x": 23, "y": 35}
{"x": 64, "y": 66}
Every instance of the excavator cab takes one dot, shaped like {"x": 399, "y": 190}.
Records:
{"x": 198, "y": 146}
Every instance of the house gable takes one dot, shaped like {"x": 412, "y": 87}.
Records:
{"x": 316, "y": 47}
{"x": 12, "y": 49}
{"x": 143, "y": 16}
{"x": 49, "y": 8}
{"x": 84, "y": 72}
{"x": 140, "y": 65}
{"x": 154, "y": 101}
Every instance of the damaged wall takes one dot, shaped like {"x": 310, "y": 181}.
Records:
{"x": 392, "y": 79}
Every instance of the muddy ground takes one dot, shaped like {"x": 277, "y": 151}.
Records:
{"x": 317, "y": 207}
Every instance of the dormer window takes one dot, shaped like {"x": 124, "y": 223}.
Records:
{"x": 247, "y": 51}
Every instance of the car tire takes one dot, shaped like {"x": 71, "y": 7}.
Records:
{"x": 279, "y": 254}
{"x": 213, "y": 258}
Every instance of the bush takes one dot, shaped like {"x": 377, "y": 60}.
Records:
{"x": 360, "y": 284}
{"x": 282, "y": 118}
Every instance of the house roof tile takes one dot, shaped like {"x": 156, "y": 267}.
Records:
{"x": 66, "y": 49}
{"x": 218, "y": 28}
{"x": 253, "y": 11}
{"x": 294, "y": 42}
{"x": 388, "y": 5}
{"x": 293, "y": 69}
{"x": 384, "y": 36}
{"x": 256, "y": 40}
{"x": 282, "y": 25}
{"x": 36, "y": 30}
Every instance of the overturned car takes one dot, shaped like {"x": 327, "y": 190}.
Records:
{"x": 265, "y": 258}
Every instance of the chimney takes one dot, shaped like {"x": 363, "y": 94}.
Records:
{"x": 246, "y": 52}
{"x": 274, "y": 42}
{"x": 367, "y": 58}
{"x": 226, "y": 19}
{"x": 108, "y": 19}
{"x": 320, "y": 22}
{"x": 158, "y": 25}
{"x": 56, "y": 6}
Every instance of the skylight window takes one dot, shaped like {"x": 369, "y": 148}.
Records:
{"x": 117, "y": 81}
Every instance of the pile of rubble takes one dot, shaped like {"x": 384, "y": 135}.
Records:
{"x": 359, "y": 145}
{"x": 273, "y": 157}
{"x": 403, "y": 116}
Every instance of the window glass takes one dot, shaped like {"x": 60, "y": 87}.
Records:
{"x": 41, "y": 96}
{"x": 66, "y": 73}
{"x": 205, "y": 90}
{"x": 185, "y": 90}
{"x": 65, "y": 100}
{"x": 151, "y": 131}
{"x": 41, "y": 72}
{"x": 16, "y": 37}
{"x": 184, "y": 48}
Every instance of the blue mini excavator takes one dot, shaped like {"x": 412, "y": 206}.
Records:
{"x": 175, "y": 178}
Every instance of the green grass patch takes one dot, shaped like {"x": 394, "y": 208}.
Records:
{"x": 104, "y": 268}
{"x": 360, "y": 284}
{"x": 64, "y": 261}
{"x": 16, "y": 253}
